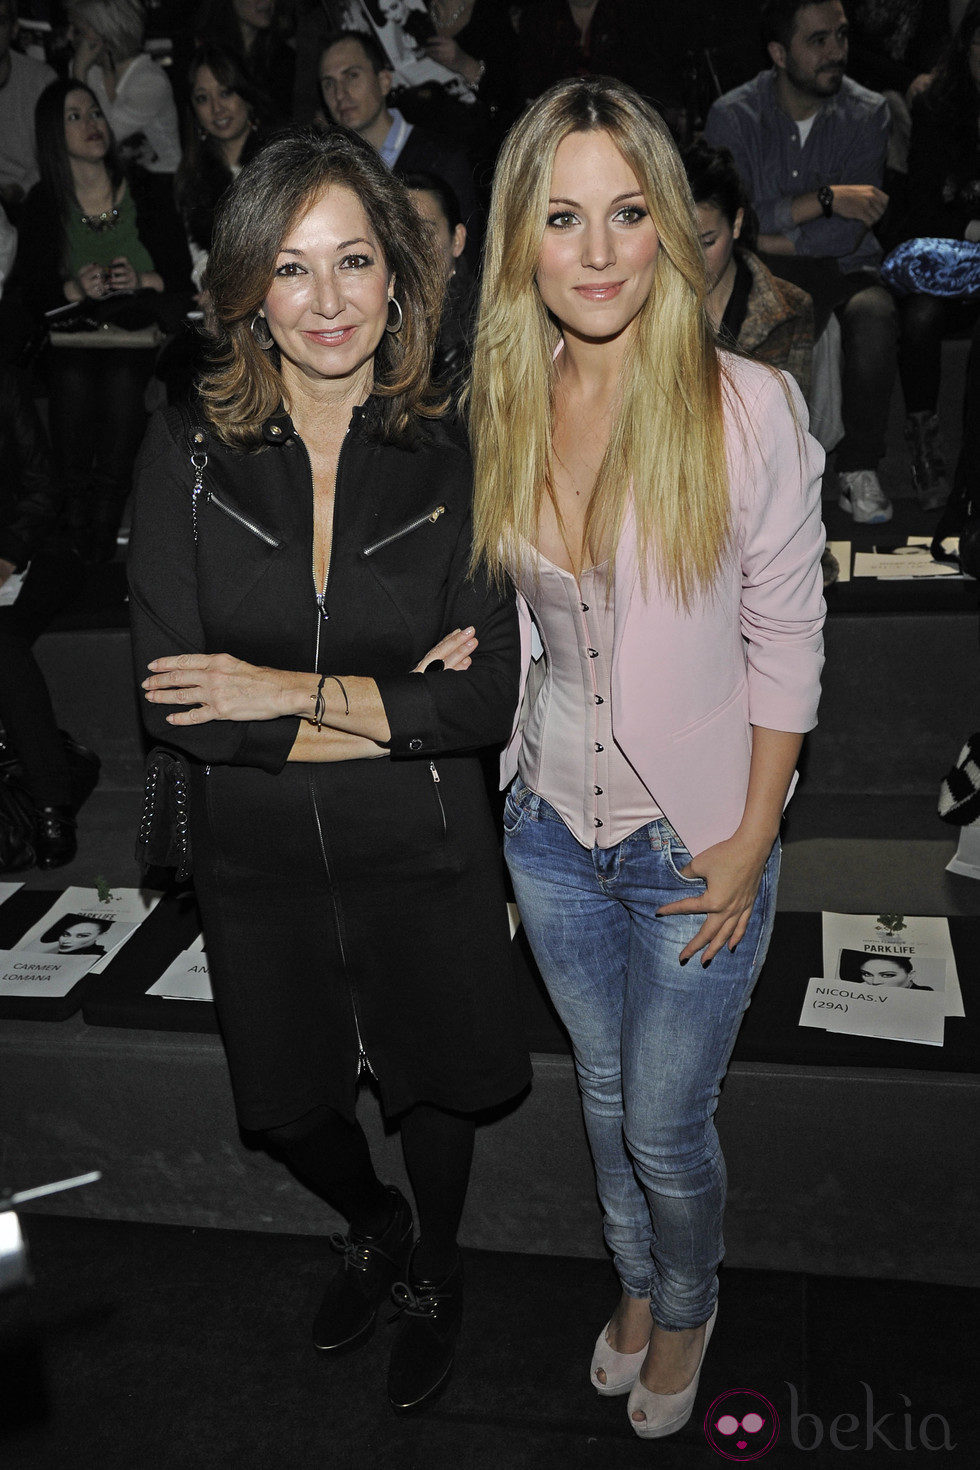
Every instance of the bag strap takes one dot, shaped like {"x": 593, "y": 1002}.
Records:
{"x": 197, "y": 436}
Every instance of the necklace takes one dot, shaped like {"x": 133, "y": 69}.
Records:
{"x": 439, "y": 19}
{"x": 99, "y": 223}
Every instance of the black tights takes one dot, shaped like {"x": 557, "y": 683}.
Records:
{"x": 331, "y": 1157}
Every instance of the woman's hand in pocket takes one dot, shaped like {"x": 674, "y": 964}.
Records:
{"x": 732, "y": 871}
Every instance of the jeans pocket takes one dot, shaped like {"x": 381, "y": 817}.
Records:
{"x": 676, "y": 857}
{"x": 515, "y": 810}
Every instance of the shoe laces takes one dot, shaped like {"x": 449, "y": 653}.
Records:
{"x": 421, "y": 1303}
{"x": 356, "y": 1253}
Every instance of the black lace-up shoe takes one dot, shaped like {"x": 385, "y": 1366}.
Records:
{"x": 55, "y": 842}
{"x": 371, "y": 1264}
{"x": 429, "y": 1315}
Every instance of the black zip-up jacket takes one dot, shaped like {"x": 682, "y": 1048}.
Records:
{"x": 400, "y": 552}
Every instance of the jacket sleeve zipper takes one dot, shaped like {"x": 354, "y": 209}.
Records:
{"x": 243, "y": 520}
{"x": 430, "y": 516}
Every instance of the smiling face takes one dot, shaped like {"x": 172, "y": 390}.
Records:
{"x": 353, "y": 92}
{"x": 815, "y": 59}
{"x": 879, "y": 970}
{"x": 327, "y": 307}
{"x": 220, "y": 111}
{"x": 86, "y": 130}
{"x": 598, "y": 256}
{"x": 78, "y": 936}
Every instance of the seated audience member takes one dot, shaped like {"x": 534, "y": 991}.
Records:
{"x": 476, "y": 43}
{"x": 133, "y": 90}
{"x": 30, "y": 537}
{"x": 226, "y": 131}
{"x": 22, "y": 80}
{"x": 944, "y": 203}
{"x": 355, "y": 80}
{"x": 627, "y": 39}
{"x": 749, "y": 307}
{"x": 436, "y": 202}
{"x": 89, "y": 230}
{"x": 896, "y": 43}
{"x": 251, "y": 29}
{"x": 810, "y": 145}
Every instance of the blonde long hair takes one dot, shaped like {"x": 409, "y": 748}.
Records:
{"x": 666, "y": 452}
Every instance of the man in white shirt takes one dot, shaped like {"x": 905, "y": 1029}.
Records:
{"x": 22, "y": 80}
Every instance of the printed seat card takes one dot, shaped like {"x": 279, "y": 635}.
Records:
{"x": 888, "y": 975}
{"x": 186, "y": 978}
{"x": 79, "y": 933}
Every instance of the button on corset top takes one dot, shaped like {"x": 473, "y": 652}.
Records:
{"x": 568, "y": 754}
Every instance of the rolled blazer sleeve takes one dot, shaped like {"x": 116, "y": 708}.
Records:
{"x": 446, "y": 710}
{"x": 781, "y": 538}
{"x": 857, "y": 146}
{"x": 164, "y": 610}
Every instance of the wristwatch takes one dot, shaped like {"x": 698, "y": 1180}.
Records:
{"x": 825, "y": 198}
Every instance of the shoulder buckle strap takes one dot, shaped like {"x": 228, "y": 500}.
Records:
{"x": 199, "y": 461}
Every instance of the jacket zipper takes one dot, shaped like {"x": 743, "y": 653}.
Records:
{"x": 362, "y": 1056}
{"x": 436, "y": 782}
{"x": 243, "y": 520}
{"x": 430, "y": 516}
{"x": 363, "y": 1062}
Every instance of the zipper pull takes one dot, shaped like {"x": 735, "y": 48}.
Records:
{"x": 435, "y": 773}
{"x": 439, "y": 510}
{"x": 321, "y": 598}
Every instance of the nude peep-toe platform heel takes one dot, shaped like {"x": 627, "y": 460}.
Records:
{"x": 621, "y": 1369}
{"x": 667, "y": 1412}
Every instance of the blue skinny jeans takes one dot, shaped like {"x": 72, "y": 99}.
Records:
{"x": 651, "y": 1037}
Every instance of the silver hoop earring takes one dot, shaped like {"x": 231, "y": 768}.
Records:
{"x": 394, "y": 330}
{"x": 262, "y": 342}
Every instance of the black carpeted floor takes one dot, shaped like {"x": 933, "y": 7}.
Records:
{"x": 142, "y": 1347}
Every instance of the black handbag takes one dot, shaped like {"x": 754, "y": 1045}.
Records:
{"x": 164, "y": 838}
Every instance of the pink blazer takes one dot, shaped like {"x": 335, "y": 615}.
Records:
{"x": 688, "y": 686}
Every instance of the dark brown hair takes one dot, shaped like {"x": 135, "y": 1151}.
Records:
{"x": 243, "y": 385}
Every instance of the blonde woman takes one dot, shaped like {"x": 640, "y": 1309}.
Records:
{"x": 133, "y": 90}
{"x": 657, "y": 502}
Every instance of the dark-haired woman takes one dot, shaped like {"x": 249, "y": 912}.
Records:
{"x": 87, "y": 232}
{"x": 253, "y": 31}
{"x": 437, "y": 203}
{"x": 225, "y": 132}
{"x": 346, "y": 862}
{"x": 750, "y": 308}
{"x": 944, "y": 195}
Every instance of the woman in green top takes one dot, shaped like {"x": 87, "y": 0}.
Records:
{"x": 89, "y": 231}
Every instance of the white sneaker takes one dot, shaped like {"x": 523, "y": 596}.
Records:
{"x": 862, "y": 497}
